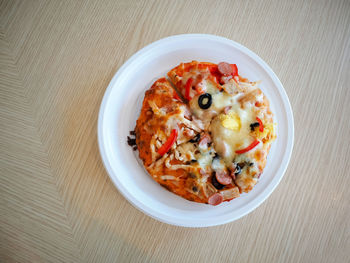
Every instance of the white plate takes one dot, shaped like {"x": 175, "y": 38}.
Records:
{"x": 121, "y": 106}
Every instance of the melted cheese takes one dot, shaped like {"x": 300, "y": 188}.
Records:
{"x": 185, "y": 151}
{"x": 230, "y": 132}
{"x": 218, "y": 164}
{"x": 220, "y": 100}
{"x": 229, "y": 138}
{"x": 205, "y": 160}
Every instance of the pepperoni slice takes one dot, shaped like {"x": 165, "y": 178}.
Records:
{"x": 215, "y": 199}
{"x": 225, "y": 68}
{"x": 223, "y": 177}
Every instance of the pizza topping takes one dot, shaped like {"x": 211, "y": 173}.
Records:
{"x": 214, "y": 71}
{"x": 204, "y": 141}
{"x": 180, "y": 166}
{"x": 192, "y": 125}
{"x": 170, "y": 141}
{"x": 188, "y": 87}
{"x": 215, "y": 182}
{"x": 205, "y": 159}
{"x": 169, "y": 177}
{"x": 185, "y": 152}
{"x": 188, "y": 132}
{"x": 247, "y": 179}
{"x": 223, "y": 177}
{"x": 231, "y": 121}
{"x": 195, "y": 138}
{"x": 222, "y": 100}
{"x": 238, "y": 169}
{"x": 217, "y": 164}
{"x": 231, "y": 87}
{"x": 250, "y": 97}
{"x": 215, "y": 199}
{"x": 269, "y": 133}
{"x": 229, "y": 194}
{"x": 231, "y": 132}
{"x": 225, "y": 79}
{"x": 204, "y": 101}
{"x": 195, "y": 189}
{"x": 225, "y": 68}
{"x": 156, "y": 165}
{"x": 200, "y": 86}
{"x": 253, "y": 125}
{"x": 154, "y": 107}
{"x": 247, "y": 149}
{"x": 261, "y": 126}
{"x": 234, "y": 70}
{"x": 209, "y": 190}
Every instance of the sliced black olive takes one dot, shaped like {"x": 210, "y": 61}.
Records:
{"x": 251, "y": 164}
{"x": 204, "y": 101}
{"x": 195, "y": 138}
{"x": 194, "y": 189}
{"x": 215, "y": 182}
{"x": 254, "y": 125}
{"x": 193, "y": 161}
{"x": 239, "y": 167}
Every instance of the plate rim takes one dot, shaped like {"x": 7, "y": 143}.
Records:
{"x": 286, "y": 103}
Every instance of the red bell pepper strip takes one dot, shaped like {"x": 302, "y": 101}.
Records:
{"x": 188, "y": 87}
{"x": 215, "y": 72}
{"x": 261, "y": 125}
{"x": 234, "y": 69}
{"x": 169, "y": 142}
{"x": 251, "y": 146}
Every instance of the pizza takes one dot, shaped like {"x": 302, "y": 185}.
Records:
{"x": 204, "y": 132}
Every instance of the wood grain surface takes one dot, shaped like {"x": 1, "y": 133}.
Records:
{"x": 57, "y": 203}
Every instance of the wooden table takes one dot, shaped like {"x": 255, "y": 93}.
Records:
{"x": 57, "y": 203}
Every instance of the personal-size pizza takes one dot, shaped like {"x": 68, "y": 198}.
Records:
{"x": 208, "y": 139}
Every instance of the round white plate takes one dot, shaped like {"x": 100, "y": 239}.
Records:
{"x": 121, "y": 106}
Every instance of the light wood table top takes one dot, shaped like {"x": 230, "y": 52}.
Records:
{"x": 57, "y": 203}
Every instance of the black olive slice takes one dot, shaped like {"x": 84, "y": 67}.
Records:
{"x": 239, "y": 167}
{"x": 204, "y": 101}
{"x": 253, "y": 125}
{"x": 195, "y": 138}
